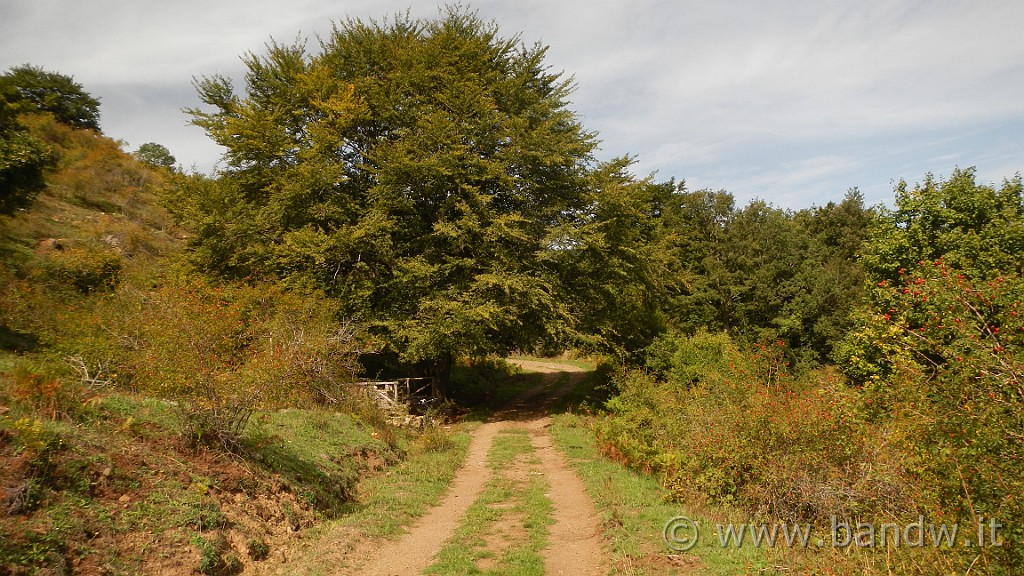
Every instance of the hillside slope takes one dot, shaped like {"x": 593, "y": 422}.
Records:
{"x": 98, "y": 471}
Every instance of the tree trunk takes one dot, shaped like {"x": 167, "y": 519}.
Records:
{"x": 443, "y": 373}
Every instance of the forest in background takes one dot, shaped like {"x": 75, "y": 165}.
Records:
{"x": 413, "y": 196}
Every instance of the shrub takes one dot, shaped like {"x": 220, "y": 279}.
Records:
{"x": 215, "y": 556}
{"x": 740, "y": 429}
{"x": 223, "y": 352}
{"x": 85, "y": 270}
{"x": 41, "y": 389}
{"x": 931, "y": 427}
{"x": 956, "y": 389}
{"x": 435, "y": 438}
{"x": 258, "y": 549}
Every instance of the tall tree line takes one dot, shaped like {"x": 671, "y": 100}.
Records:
{"x": 430, "y": 176}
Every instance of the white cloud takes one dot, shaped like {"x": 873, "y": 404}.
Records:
{"x": 781, "y": 100}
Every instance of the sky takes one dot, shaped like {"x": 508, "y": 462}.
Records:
{"x": 790, "y": 101}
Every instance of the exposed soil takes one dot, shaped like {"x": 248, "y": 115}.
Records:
{"x": 413, "y": 552}
{"x": 575, "y": 543}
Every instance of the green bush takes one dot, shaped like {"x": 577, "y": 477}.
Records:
{"x": 950, "y": 376}
{"x": 215, "y": 556}
{"x": 84, "y": 270}
{"x": 224, "y": 351}
{"x": 738, "y": 428}
{"x": 258, "y": 549}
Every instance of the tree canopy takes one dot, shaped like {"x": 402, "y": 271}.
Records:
{"x": 974, "y": 227}
{"x": 760, "y": 272}
{"x": 30, "y": 89}
{"x": 23, "y": 159}
{"x": 420, "y": 171}
{"x": 155, "y": 155}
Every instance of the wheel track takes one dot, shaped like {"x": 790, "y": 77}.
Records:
{"x": 575, "y": 543}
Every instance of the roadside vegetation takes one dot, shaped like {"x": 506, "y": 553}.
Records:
{"x": 152, "y": 419}
{"x": 919, "y": 417}
{"x": 416, "y": 198}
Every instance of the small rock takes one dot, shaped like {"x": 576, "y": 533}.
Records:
{"x": 50, "y": 245}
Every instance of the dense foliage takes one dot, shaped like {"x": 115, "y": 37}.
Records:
{"x": 33, "y": 89}
{"x": 225, "y": 352}
{"x": 419, "y": 172}
{"x": 928, "y": 421}
{"x": 426, "y": 181}
{"x": 759, "y": 272}
{"x": 23, "y": 160}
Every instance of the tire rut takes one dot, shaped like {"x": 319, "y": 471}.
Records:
{"x": 575, "y": 542}
{"x": 412, "y": 553}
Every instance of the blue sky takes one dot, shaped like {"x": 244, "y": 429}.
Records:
{"x": 790, "y": 101}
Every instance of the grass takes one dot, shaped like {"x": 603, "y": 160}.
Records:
{"x": 387, "y": 503}
{"x": 320, "y": 454}
{"x": 635, "y": 510}
{"x": 119, "y": 489}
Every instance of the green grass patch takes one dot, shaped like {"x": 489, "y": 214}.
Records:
{"x": 146, "y": 416}
{"x": 321, "y": 455}
{"x": 391, "y": 501}
{"x": 508, "y": 445}
{"x": 635, "y": 509}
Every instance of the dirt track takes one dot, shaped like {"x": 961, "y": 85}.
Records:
{"x": 574, "y": 543}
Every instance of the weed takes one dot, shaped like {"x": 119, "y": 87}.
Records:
{"x": 215, "y": 555}
{"x": 33, "y": 549}
{"x": 435, "y": 439}
{"x": 258, "y": 549}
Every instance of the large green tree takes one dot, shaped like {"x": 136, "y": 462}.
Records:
{"x": 23, "y": 160}
{"x": 156, "y": 155}
{"x": 419, "y": 171}
{"x": 760, "y": 272}
{"x": 974, "y": 227}
{"x": 31, "y": 89}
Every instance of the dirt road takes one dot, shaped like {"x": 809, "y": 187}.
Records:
{"x": 574, "y": 545}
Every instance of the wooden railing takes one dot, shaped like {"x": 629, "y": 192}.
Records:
{"x": 391, "y": 393}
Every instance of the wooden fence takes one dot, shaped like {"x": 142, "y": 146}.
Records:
{"x": 390, "y": 394}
